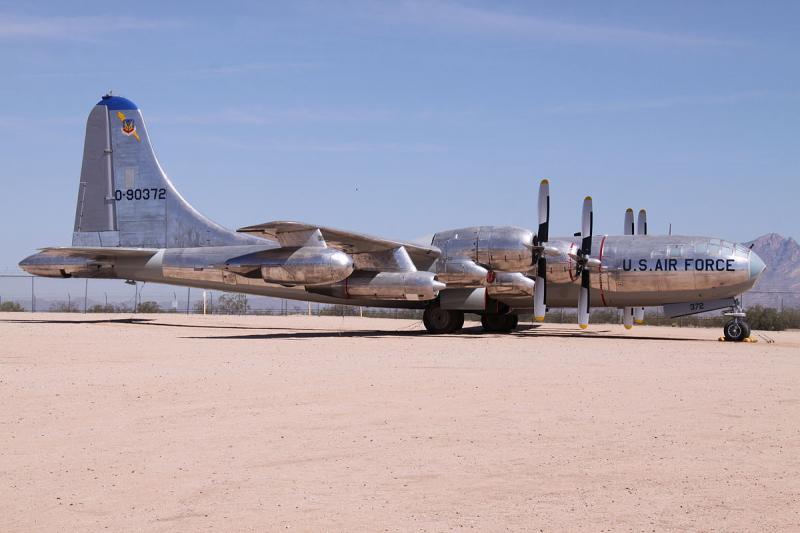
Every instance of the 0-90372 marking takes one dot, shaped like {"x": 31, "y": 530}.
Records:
{"x": 152, "y": 193}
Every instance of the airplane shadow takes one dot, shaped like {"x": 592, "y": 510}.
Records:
{"x": 145, "y": 322}
{"x": 524, "y": 331}
{"x": 84, "y": 321}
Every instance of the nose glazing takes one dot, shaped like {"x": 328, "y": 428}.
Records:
{"x": 757, "y": 266}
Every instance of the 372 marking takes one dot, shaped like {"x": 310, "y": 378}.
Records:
{"x": 153, "y": 193}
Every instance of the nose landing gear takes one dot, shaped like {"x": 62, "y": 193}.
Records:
{"x": 737, "y": 329}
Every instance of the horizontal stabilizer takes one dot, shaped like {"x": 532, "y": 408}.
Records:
{"x": 96, "y": 252}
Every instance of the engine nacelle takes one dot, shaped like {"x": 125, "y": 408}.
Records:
{"x": 305, "y": 266}
{"x": 503, "y": 248}
{"x": 296, "y": 266}
{"x": 385, "y": 286}
{"x": 509, "y": 284}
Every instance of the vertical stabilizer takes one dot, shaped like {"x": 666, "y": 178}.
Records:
{"x": 125, "y": 198}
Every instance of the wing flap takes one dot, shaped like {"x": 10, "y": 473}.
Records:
{"x": 346, "y": 241}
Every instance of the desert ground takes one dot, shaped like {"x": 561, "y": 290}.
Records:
{"x": 179, "y": 423}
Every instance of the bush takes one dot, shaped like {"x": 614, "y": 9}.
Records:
{"x": 148, "y": 307}
{"x": 230, "y": 304}
{"x": 11, "y": 307}
{"x": 64, "y": 307}
{"x": 766, "y": 318}
{"x": 110, "y": 308}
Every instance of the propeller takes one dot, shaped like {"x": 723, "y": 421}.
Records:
{"x": 627, "y": 317}
{"x": 540, "y": 288}
{"x": 628, "y": 228}
{"x": 641, "y": 223}
{"x": 582, "y": 260}
{"x": 641, "y": 229}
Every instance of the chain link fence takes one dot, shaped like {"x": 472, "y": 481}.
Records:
{"x": 21, "y": 292}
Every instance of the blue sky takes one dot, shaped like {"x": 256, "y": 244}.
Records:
{"x": 404, "y": 118}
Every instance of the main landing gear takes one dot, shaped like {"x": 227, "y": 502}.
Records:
{"x": 441, "y": 321}
{"x": 499, "y": 323}
{"x": 438, "y": 320}
{"x": 737, "y": 329}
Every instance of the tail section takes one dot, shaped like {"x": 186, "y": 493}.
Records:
{"x": 125, "y": 198}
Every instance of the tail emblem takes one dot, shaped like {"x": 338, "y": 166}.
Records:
{"x": 128, "y": 126}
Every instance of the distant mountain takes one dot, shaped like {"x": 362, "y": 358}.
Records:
{"x": 780, "y": 282}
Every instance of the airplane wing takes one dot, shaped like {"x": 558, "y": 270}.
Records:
{"x": 294, "y": 233}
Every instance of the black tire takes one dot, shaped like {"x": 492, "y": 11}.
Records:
{"x": 439, "y": 321}
{"x": 746, "y": 327}
{"x": 513, "y": 321}
{"x": 499, "y": 323}
{"x": 736, "y": 331}
{"x": 459, "y": 320}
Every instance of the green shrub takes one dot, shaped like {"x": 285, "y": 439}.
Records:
{"x": 11, "y": 307}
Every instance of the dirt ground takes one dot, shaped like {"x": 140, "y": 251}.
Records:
{"x": 172, "y": 422}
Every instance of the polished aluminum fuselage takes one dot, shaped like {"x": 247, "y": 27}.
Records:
{"x": 634, "y": 270}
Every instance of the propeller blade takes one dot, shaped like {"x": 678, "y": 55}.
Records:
{"x": 584, "y": 303}
{"x": 587, "y": 222}
{"x": 641, "y": 223}
{"x": 540, "y": 290}
{"x": 544, "y": 211}
{"x": 627, "y": 317}
{"x": 638, "y": 315}
{"x": 628, "y": 228}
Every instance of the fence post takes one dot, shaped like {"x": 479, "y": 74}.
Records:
{"x": 85, "y": 295}
{"x": 33, "y": 297}
{"x": 188, "y": 296}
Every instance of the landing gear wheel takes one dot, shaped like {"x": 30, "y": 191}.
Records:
{"x": 438, "y": 320}
{"x": 736, "y": 330}
{"x": 499, "y": 323}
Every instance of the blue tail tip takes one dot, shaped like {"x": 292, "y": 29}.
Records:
{"x": 117, "y": 102}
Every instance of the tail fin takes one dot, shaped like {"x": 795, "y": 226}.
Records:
{"x": 125, "y": 198}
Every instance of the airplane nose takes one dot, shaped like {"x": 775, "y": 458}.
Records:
{"x": 757, "y": 266}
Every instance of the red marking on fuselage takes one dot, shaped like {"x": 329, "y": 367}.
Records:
{"x": 600, "y": 271}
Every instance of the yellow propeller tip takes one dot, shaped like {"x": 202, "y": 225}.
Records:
{"x": 640, "y": 322}
{"x": 545, "y": 182}
{"x": 583, "y": 326}
{"x": 628, "y": 327}
{"x": 629, "y": 210}
{"x": 588, "y": 198}
{"x": 539, "y": 318}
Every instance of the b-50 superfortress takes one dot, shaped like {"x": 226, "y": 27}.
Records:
{"x": 131, "y": 223}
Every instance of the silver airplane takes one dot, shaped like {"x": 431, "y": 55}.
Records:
{"x": 132, "y": 224}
